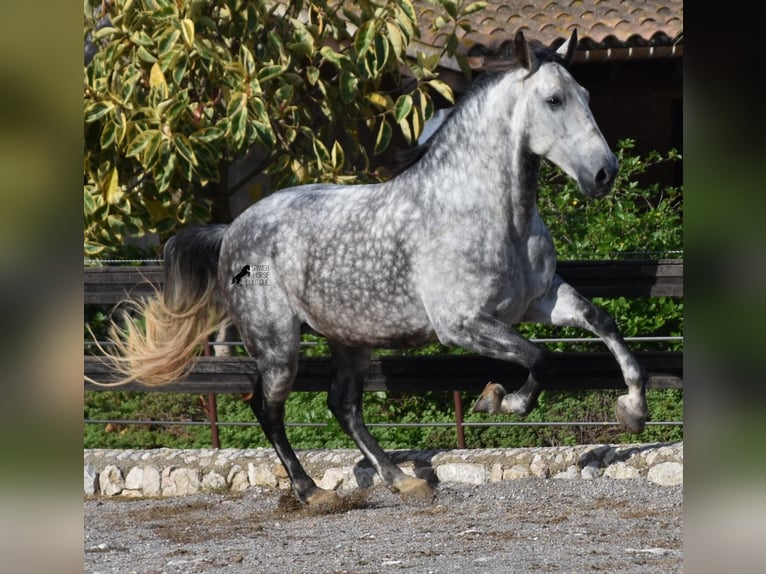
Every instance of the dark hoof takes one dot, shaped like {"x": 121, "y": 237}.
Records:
{"x": 490, "y": 400}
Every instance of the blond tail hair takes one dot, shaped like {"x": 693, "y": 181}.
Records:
{"x": 177, "y": 321}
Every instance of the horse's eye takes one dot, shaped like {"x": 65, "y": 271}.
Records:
{"x": 554, "y": 101}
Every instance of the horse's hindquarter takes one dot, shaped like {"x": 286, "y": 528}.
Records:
{"x": 340, "y": 257}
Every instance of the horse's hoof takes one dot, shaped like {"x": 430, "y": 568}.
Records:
{"x": 633, "y": 419}
{"x": 414, "y": 489}
{"x": 323, "y": 500}
{"x": 490, "y": 400}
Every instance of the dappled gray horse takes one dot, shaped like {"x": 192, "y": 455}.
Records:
{"x": 452, "y": 250}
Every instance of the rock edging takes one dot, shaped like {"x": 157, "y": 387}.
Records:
{"x": 173, "y": 472}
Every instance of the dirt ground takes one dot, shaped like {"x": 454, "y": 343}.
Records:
{"x": 517, "y": 526}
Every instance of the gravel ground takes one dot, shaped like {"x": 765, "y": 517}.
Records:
{"x": 517, "y": 526}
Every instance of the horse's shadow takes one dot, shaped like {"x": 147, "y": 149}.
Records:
{"x": 607, "y": 454}
{"x": 421, "y": 460}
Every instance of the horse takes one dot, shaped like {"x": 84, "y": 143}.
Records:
{"x": 451, "y": 249}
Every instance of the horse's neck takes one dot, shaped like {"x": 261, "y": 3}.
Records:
{"x": 462, "y": 179}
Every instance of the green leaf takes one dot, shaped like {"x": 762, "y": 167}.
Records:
{"x": 179, "y": 70}
{"x": 381, "y": 53}
{"x": 474, "y": 7}
{"x": 364, "y": 38}
{"x": 187, "y": 31}
{"x": 312, "y": 75}
{"x": 404, "y": 126}
{"x": 142, "y": 141}
{"x": 320, "y": 151}
{"x": 409, "y": 11}
{"x": 237, "y": 113}
{"x": 107, "y": 135}
{"x": 450, "y": 6}
{"x": 337, "y": 59}
{"x": 348, "y": 87}
{"x": 157, "y": 79}
{"x": 403, "y": 107}
{"x": 167, "y": 40}
{"x": 248, "y": 61}
{"x": 144, "y": 55}
{"x": 97, "y": 110}
{"x": 89, "y": 205}
{"x": 443, "y": 89}
{"x": 184, "y": 148}
{"x": 302, "y": 36}
{"x": 337, "y": 155}
{"x": 269, "y": 72}
{"x": 379, "y": 100}
{"x": 383, "y": 138}
{"x": 207, "y": 135}
{"x": 111, "y": 187}
{"x": 396, "y": 39}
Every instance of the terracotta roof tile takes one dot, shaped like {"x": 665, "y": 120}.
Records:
{"x": 602, "y": 25}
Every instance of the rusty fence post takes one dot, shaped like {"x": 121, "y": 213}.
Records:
{"x": 212, "y": 409}
{"x": 459, "y": 419}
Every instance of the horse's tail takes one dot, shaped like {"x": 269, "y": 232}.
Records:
{"x": 176, "y": 321}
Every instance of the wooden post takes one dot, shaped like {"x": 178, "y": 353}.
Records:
{"x": 212, "y": 409}
{"x": 459, "y": 419}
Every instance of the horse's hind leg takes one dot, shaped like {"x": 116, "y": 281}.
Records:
{"x": 277, "y": 369}
{"x": 345, "y": 401}
{"x": 565, "y": 307}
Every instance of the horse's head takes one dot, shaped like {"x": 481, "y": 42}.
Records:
{"x": 560, "y": 125}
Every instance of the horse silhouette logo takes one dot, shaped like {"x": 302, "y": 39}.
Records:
{"x": 238, "y": 277}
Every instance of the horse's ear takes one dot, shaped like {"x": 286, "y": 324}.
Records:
{"x": 567, "y": 49}
{"x": 521, "y": 50}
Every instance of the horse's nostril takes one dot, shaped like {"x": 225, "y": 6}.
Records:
{"x": 602, "y": 177}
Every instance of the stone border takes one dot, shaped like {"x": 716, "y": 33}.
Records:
{"x": 170, "y": 472}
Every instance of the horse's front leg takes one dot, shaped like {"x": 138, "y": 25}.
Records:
{"x": 488, "y": 336}
{"x": 350, "y": 366}
{"x": 565, "y": 307}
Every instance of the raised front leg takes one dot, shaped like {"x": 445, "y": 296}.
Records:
{"x": 350, "y": 365}
{"x": 564, "y": 306}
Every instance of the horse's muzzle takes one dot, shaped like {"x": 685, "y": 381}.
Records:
{"x": 603, "y": 181}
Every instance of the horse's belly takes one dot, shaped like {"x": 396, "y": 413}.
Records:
{"x": 358, "y": 317}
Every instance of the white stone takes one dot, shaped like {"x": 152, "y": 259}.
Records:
{"x": 90, "y": 479}
{"x": 333, "y": 478}
{"x": 151, "y": 481}
{"x": 261, "y": 475}
{"x": 590, "y": 471}
{"x": 515, "y": 472}
{"x": 569, "y": 474}
{"x": 110, "y": 481}
{"x": 496, "y": 474}
{"x": 463, "y": 472}
{"x": 667, "y": 474}
{"x": 179, "y": 481}
{"x": 620, "y": 470}
{"x": 213, "y": 481}
{"x": 237, "y": 479}
{"x": 134, "y": 480}
{"x": 539, "y": 468}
